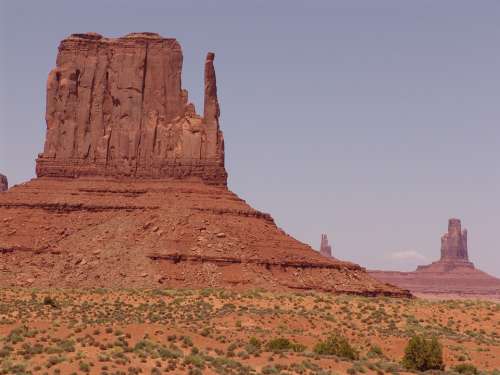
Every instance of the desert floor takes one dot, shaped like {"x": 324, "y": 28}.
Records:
{"x": 221, "y": 332}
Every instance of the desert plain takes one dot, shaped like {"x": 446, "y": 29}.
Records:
{"x": 216, "y": 331}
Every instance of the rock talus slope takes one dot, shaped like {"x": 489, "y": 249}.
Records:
{"x": 131, "y": 188}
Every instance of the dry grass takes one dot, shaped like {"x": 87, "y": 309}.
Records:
{"x": 219, "y": 332}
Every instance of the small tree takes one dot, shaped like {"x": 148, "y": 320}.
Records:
{"x": 283, "y": 344}
{"x": 466, "y": 368}
{"x": 423, "y": 354}
{"x": 336, "y": 345}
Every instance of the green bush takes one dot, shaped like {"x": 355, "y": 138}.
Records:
{"x": 336, "y": 345}
{"x": 466, "y": 368}
{"x": 49, "y": 301}
{"x": 283, "y": 344}
{"x": 423, "y": 354}
{"x": 253, "y": 347}
{"x": 375, "y": 352}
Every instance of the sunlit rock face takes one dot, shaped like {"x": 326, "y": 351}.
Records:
{"x": 116, "y": 107}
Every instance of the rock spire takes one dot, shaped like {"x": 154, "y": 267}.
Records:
{"x": 325, "y": 249}
{"x": 4, "y": 184}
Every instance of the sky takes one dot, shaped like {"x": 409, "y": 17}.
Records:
{"x": 371, "y": 121}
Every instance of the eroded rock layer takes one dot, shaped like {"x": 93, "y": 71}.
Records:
{"x": 116, "y": 107}
{"x": 90, "y": 232}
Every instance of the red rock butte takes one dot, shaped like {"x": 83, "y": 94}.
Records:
{"x": 116, "y": 107}
{"x": 452, "y": 274}
{"x": 131, "y": 188}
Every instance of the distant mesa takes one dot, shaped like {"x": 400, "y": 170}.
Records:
{"x": 452, "y": 274}
{"x": 4, "y": 183}
{"x": 131, "y": 188}
{"x": 325, "y": 249}
{"x": 454, "y": 251}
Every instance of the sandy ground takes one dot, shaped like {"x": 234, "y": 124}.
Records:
{"x": 98, "y": 331}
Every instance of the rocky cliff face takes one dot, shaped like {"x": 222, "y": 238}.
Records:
{"x": 325, "y": 249}
{"x": 4, "y": 184}
{"x": 116, "y": 107}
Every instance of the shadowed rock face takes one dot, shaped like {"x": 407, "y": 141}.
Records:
{"x": 325, "y": 249}
{"x": 4, "y": 184}
{"x": 116, "y": 107}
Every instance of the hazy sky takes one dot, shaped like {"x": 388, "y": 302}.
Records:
{"x": 371, "y": 121}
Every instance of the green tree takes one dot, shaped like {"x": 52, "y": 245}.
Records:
{"x": 423, "y": 354}
{"x": 336, "y": 345}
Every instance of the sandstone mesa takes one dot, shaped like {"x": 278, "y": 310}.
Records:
{"x": 131, "y": 188}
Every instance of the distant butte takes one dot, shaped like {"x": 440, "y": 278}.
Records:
{"x": 452, "y": 274}
{"x": 131, "y": 188}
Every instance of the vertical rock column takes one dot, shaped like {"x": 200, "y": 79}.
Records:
{"x": 4, "y": 184}
{"x": 211, "y": 112}
{"x": 325, "y": 249}
{"x": 454, "y": 243}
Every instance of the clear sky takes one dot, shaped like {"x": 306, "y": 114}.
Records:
{"x": 371, "y": 121}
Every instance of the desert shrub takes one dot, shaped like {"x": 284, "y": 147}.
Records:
{"x": 375, "y": 352}
{"x": 466, "y": 368}
{"x": 49, "y": 301}
{"x": 423, "y": 354}
{"x": 195, "y": 360}
{"x": 283, "y": 344}
{"x": 253, "y": 346}
{"x": 84, "y": 366}
{"x": 336, "y": 345}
